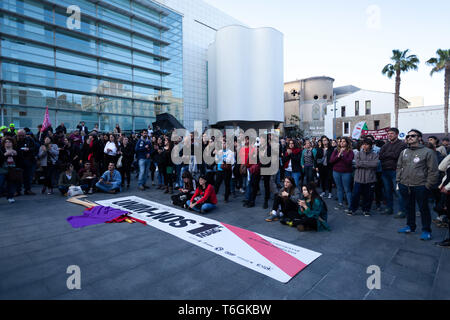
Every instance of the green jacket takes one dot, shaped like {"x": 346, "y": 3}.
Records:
{"x": 317, "y": 211}
{"x": 417, "y": 166}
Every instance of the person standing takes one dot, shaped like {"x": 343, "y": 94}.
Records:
{"x": 48, "y": 156}
{"x": 307, "y": 160}
{"x": 324, "y": 166}
{"x": 341, "y": 159}
{"x": 126, "y": 150}
{"x": 389, "y": 155}
{"x": 110, "y": 150}
{"x": 26, "y": 151}
{"x": 366, "y": 162}
{"x": 8, "y": 165}
{"x": 417, "y": 173}
{"x": 225, "y": 160}
{"x": 291, "y": 162}
{"x": 144, "y": 151}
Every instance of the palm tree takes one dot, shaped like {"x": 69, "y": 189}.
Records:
{"x": 440, "y": 63}
{"x": 401, "y": 63}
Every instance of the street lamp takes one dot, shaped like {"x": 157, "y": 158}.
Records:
{"x": 334, "y": 119}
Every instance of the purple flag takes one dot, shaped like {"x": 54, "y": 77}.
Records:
{"x": 96, "y": 215}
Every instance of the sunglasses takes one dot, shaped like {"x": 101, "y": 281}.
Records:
{"x": 412, "y": 136}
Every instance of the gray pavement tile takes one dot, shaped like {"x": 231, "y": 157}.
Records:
{"x": 418, "y": 262}
{"x": 347, "y": 280}
{"x": 390, "y": 294}
{"x": 33, "y": 291}
{"x": 316, "y": 295}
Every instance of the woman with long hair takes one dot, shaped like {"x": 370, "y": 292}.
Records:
{"x": 285, "y": 205}
{"x": 312, "y": 210}
{"x": 204, "y": 199}
{"x": 48, "y": 156}
{"x": 110, "y": 150}
{"x": 324, "y": 167}
{"x": 186, "y": 191}
{"x": 8, "y": 163}
{"x": 341, "y": 159}
{"x": 292, "y": 161}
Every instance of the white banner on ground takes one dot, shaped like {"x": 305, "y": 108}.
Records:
{"x": 274, "y": 258}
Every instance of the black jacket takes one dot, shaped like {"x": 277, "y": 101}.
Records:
{"x": 389, "y": 154}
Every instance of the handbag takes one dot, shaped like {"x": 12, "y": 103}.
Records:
{"x": 119, "y": 162}
{"x": 74, "y": 191}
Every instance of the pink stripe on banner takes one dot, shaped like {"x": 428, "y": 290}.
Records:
{"x": 277, "y": 256}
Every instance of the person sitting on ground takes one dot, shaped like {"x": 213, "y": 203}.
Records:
{"x": 88, "y": 176}
{"x": 67, "y": 179}
{"x": 313, "y": 211}
{"x": 186, "y": 192}
{"x": 287, "y": 199}
{"x": 204, "y": 198}
{"x": 110, "y": 181}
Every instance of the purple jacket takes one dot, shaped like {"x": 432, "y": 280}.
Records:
{"x": 342, "y": 164}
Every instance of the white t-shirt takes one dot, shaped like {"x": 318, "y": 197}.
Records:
{"x": 112, "y": 146}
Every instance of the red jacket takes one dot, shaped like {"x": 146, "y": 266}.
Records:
{"x": 208, "y": 195}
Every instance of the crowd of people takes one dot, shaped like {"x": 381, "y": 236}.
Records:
{"x": 366, "y": 173}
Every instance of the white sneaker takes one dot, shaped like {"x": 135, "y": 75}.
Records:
{"x": 330, "y": 196}
{"x": 323, "y": 194}
{"x": 11, "y": 200}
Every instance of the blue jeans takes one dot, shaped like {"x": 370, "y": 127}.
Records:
{"x": 144, "y": 168}
{"x": 108, "y": 187}
{"x": 389, "y": 184}
{"x": 343, "y": 184}
{"x": 205, "y": 207}
{"x": 410, "y": 196}
{"x": 295, "y": 175}
{"x": 367, "y": 190}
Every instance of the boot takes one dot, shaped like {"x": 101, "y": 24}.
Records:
{"x": 167, "y": 190}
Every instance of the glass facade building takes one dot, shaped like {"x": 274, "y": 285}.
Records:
{"x": 123, "y": 63}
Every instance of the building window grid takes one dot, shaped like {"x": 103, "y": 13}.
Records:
{"x": 133, "y": 102}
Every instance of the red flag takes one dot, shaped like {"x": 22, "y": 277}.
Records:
{"x": 46, "y": 122}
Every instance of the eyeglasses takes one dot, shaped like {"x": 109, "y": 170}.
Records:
{"x": 412, "y": 136}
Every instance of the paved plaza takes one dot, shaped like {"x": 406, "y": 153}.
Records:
{"x": 133, "y": 261}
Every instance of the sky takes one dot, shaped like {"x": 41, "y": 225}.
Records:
{"x": 352, "y": 40}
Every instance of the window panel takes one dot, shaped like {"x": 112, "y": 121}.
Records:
{"x": 26, "y": 74}
{"x": 70, "y": 81}
{"x": 145, "y": 93}
{"x": 113, "y": 17}
{"x": 115, "y": 70}
{"x": 113, "y": 34}
{"x": 70, "y": 60}
{"x": 115, "y": 105}
{"x": 29, "y": 8}
{"x": 76, "y": 42}
{"x": 78, "y": 102}
{"x": 25, "y": 29}
{"x": 115, "y": 88}
{"x": 114, "y": 52}
{"x": 146, "y": 109}
{"x": 31, "y": 52}
{"x": 28, "y": 96}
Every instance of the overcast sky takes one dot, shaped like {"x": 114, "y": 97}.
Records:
{"x": 352, "y": 40}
